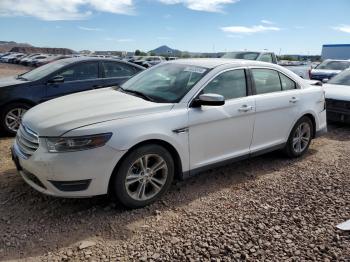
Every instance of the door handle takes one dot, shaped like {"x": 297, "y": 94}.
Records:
{"x": 293, "y": 100}
{"x": 245, "y": 108}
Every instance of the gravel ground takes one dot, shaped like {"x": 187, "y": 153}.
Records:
{"x": 267, "y": 208}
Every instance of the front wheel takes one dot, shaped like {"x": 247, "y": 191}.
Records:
{"x": 300, "y": 138}
{"x": 11, "y": 117}
{"x": 143, "y": 176}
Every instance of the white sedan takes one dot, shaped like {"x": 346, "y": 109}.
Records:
{"x": 171, "y": 121}
{"x": 338, "y": 97}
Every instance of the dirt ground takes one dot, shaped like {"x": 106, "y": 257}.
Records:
{"x": 268, "y": 208}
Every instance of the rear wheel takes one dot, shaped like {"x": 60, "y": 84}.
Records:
{"x": 143, "y": 176}
{"x": 300, "y": 138}
{"x": 11, "y": 117}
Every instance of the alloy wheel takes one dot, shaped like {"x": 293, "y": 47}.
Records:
{"x": 301, "y": 138}
{"x": 13, "y": 118}
{"x": 146, "y": 177}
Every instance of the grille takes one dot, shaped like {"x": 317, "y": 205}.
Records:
{"x": 337, "y": 104}
{"x": 27, "y": 141}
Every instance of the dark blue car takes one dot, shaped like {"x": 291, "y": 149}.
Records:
{"x": 63, "y": 77}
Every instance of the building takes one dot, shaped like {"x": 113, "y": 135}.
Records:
{"x": 336, "y": 51}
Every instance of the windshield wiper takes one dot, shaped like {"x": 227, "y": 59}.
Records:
{"x": 21, "y": 77}
{"x": 137, "y": 93}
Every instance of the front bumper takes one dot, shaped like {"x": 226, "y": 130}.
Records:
{"x": 72, "y": 174}
{"x": 338, "y": 110}
{"x": 340, "y": 116}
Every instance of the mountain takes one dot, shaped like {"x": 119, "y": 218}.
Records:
{"x": 6, "y": 46}
{"x": 166, "y": 50}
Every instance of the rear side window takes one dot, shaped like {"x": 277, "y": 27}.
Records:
{"x": 230, "y": 84}
{"x": 114, "y": 69}
{"x": 82, "y": 71}
{"x": 266, "y": 58}
{"x": 266, "y": 81}
{"x": 287, "y": 83}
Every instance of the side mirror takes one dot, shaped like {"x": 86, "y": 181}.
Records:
{"x": 56, "y": 79}
{"x": 209, "y": 100}
{"x": 325, "y": 80}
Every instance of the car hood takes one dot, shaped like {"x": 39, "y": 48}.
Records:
{"x": 337, "y": 92}
{"x": 10, "y": 81}
{"x": 324, "y": 72}
{"x": 58, "y": 116}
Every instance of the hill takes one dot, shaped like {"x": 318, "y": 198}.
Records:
{"x": 166, "y": 51}
{"x": 6, "y": 46}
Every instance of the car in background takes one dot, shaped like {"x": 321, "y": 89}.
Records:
{"x": 35, "y": 60}
{"x": 14, "y": 58}
{"x": 26, "y": 60}
{"x": 4, "y": 54}
{"x": 149, "y": 61}
{"x": 175, "y": 119}
{"x": 268, "y": 57}
{"x": 171, "y": 58}
{"x": 328, "y": 69}
{"x": 8, "y": 58}
{"x": 62, "y": 77}
{"x": 48, "y": 59}
{"x": 338, "y": 97}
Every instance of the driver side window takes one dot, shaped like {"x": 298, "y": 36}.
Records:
{"x": 82, "y": 71}
{"x": 231, "y": 84}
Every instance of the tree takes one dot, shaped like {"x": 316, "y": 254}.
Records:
{"x": 137, "y": 52}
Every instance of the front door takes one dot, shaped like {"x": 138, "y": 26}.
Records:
{"x": 219, "y": 133}
{"x": 77, "y": 78}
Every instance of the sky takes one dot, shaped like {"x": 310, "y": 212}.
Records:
{"x": 282, "y": 26}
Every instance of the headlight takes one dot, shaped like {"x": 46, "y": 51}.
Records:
{"x": 69, "y": 144}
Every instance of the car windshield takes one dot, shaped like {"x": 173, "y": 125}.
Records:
{"x": 166, "y": 83}
{"x": 242, "y": 55}
{"x": 342, "y": 79}
{"x": 43, "y": 71}
{"x": 334, "y": 65}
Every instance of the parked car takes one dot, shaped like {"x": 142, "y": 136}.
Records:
{"x": 170, "y": 121}
{"x": 25, "y": 61}
{"x": 14, "y": 58}
{"x": 35, "y": 60}
{"x": 328, "y": 69}
{"x": 48, "y": 59}
{"x": 269, "y": 57}
{"x": 62, "y": 77}
{"x": 8, "y": 58}
{"x": 338, "y": 97}
{"x": 4, "y": 54}
{"x": 149, "y": 61}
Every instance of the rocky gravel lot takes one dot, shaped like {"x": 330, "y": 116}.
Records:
{"x": 268, "y": 208}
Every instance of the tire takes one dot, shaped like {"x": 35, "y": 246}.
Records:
{"x": 300, "y": 138}
{"x": 136, "y": 187}
{"x": 5, "y": 121}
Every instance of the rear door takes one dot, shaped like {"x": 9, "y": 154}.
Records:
{"x": 78, "y": 77}
{"x": 116, "y": 73}
{"x": 276, "y": 101}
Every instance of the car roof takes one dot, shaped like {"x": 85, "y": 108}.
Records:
{"x": 215, "y": 62}
{"x": 87, "y": 58}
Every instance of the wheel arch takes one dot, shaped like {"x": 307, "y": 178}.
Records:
{"x": 172, "y": 150}
{"x": 313, "y": 120}
{"x": 20, "y": 100}
{"x": 312, "y": 117}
